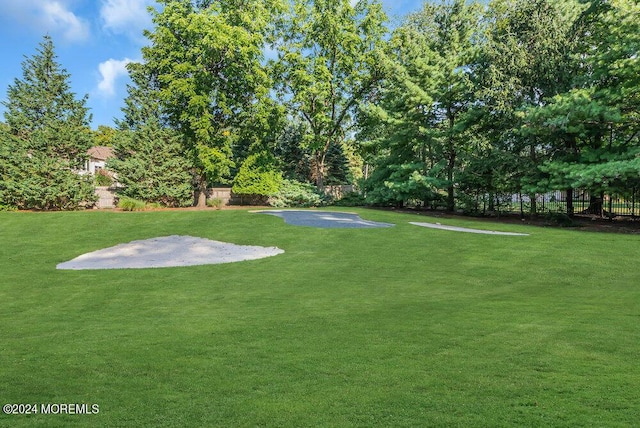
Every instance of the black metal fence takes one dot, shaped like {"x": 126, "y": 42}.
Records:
{"x": 577, "y": 202}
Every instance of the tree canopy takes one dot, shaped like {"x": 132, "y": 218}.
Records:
{"x": 461, "y": 101}
{"x": 46, "y": 138}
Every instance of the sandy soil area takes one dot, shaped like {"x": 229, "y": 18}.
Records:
{"x": 168, "y": 251}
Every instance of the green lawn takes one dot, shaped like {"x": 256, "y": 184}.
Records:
{"x": 404, "y": 326}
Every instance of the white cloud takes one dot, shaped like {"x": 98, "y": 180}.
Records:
{"x": 126, "y": 16}
{"x": 58, "y": 17}
{"x": 48, "y": 16}
{"x": 110, "y": 70}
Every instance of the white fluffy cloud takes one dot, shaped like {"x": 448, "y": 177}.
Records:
{"x": 126, "y": 16}
{"x": 48, "y": 16}
{"x": 110, "y": 70}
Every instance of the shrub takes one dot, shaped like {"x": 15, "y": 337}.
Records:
{"x": 257, "y": 177}
{"x": 296, "y": 194}
{"x": 351, "y": 199}
{"x": 7, "y": 208}
{"x": 560, "y": 219}
{"x": 130, "y": 204}
{"x": 215, "y": 203}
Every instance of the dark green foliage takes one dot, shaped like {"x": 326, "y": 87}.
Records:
{"x": 296, "y": 194}
{"x": 35, "y": 180}
{"x": 204, "y": 59}
{"x": 337, "y": 166}
{"x": 529, "y": 97}
{"x": 298, "y": 163}
{"x": 150, "y": 162}
{"x": 592, "y": 129}
{"x": 351, "y": 199}
{"x": 560, "y": 219}
{"x": 294, "y": 159}
{"x": 150, "y": 166}
{"x": 418, "y": 125}
{"x": 397, "y": 184}
{"x": 44, "y": 145}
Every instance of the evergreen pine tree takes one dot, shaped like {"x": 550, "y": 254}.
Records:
{"x": 46, "y": 138}
{"x": 150, "y": 163}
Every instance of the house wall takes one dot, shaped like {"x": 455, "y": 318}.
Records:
{"x": 94, "y": 165}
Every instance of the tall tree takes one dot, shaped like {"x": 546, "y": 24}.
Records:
{"x": 328, "y": 63}
{"x": 149, "y": 160}
{"x": 205, "y": 59}
{"x": 593, "y": 129}
{"x": 48, "y": 137}
{"x": 426, "y": 101}
{"x": 527, "y": 59}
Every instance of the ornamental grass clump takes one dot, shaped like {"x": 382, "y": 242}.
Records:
{"x": 130, "y": 204}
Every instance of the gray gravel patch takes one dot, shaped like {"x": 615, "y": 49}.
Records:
{"x": 464, "y": 229}
{"x": 168, "y": 251}
{"x": 324, "y": 219}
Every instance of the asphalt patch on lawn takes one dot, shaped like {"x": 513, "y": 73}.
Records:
{"x": 325, "y": 219}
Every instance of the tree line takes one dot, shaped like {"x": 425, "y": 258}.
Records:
{"x": 461, "y": 100}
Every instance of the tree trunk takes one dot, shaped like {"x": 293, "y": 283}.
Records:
{"x": 570, "y": 210}
{"x": 596, "y": 205}
{"x": 320, "y": 159}
{"x": 451, "y": 197}
{"x": 532, "y": 196}
{"x": 534, "y": 204}
{"x": 200, "y": 194}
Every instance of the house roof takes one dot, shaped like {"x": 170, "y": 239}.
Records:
{"x": 100, "y": 152}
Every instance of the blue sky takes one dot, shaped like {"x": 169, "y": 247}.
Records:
{"x": 94, "y": 40}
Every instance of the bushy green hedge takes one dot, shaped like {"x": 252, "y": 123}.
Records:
{"x": 296, "y": 194}
{"x": 257, "y": 177}
{"x": 351, "y": 199}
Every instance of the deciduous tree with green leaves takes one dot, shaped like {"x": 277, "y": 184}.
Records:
{"x": 205, "y": 60}
{"x": 329, "y": 61}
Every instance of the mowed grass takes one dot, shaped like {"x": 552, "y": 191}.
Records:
{"x": 405, "y": 326}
